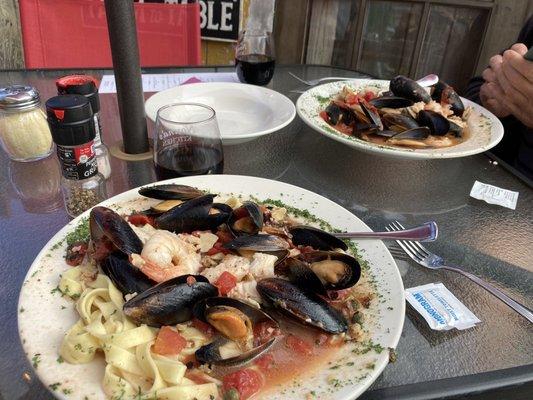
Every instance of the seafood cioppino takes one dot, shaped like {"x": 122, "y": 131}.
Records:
{"x": 206, "y": 297}
{"x": 407, "y": 115}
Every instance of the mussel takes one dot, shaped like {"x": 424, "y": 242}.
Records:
{"x": 235, "y": 322}
{"x": 445, "y": 94}
{"x": 408, "y": 88}
{"x": 399, "y": 122}
{"x": 419, "y": 133}
{"x": 171, "y": 192}
{"x": 303, "y": 235}
{"x": 246, "y": 220}
{"x": 126, "y": 277}
{"x": 437, "y": 123}
{"x": 110, "y": 232}
{"x": 338, "y": 112}
{"x": 391, "y": 102}
{"x": 321, "y": 271}
{"x": 170, "y": 302}
{"x": 259, "y": 242}
{"x": 303, "y": 306}
{"x": 197, "y": 214}
{"x": 371, "y": 114}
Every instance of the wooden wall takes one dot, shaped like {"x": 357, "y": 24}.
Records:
{"x": 11, "y": 54}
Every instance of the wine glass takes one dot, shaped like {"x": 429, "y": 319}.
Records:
{"x": 187, "y": 141}
{"x": 255, "y": 58}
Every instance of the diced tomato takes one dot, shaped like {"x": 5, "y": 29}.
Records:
{"x": 265, "y": 362}
{"x": 298, "y": 345}
{"x": 76, "y": 253}
{"x": 140, "y": 219}
{"x": 202, "y": 326}
{"x": 169, "y": 341}
{"x": 225, "y": 282}
{"x": 321, "y": 339}
{"x": 246, "y": 381}
{"x": 369, "y": 95}
{"x": 263, "y": 332}
{"x": 324, "y": 115}
{"x": 224, "y": 236}
{"x": 351, "y": 99}
{"x": 217, "y": 248}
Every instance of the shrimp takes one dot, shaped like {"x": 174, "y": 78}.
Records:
{"x": 166, "y": 256}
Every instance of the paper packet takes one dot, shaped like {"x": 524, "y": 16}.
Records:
{"x": 494, "y": 195}
{"x": 440, "y": 308}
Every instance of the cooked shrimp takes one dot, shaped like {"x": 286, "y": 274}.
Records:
{"x": 165, "y": 256}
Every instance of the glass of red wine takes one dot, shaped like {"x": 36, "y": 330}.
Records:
{"x": 255, "y": 58}
{"x": 187, "y": 141}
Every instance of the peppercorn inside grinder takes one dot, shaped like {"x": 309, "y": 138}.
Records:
{"x": 70, "y": 118}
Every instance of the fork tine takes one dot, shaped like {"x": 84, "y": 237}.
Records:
{"x": 400, "y": 226}
{"x": 403, "y": 244}
{"x": 413, "y": 244}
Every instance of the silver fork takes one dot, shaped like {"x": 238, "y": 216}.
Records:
{"x": 314, "y": 82}
{"x": 432, "y": 261}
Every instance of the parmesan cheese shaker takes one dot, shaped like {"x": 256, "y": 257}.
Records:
{"x": 24, "y": 132}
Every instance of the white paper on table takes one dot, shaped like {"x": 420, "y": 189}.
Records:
{"x": 158, "y": 82}
{"x": 494, "y": 195}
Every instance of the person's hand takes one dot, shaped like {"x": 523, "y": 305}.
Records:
{"x": 515, "y": 78}
{"x": 491, "y": 94}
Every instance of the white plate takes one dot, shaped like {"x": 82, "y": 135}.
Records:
{"x": 244, "y": 112}
{"x": 486, "y": 129}
{"x": 44, "y": 317}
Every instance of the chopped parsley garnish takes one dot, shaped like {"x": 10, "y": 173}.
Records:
{"x": 54, "y": 386}
{"x": 80, "y": 234}
{"x": 60, "y": 360}
{"x": 35, "y": 360}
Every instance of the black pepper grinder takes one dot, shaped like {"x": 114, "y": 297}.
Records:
{"x": 70, "y": 118}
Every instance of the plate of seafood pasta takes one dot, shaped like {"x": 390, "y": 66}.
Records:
{"x": 211, "y": 287}
{"x": 400, "y": 118}
{"x": 244, "y": 112}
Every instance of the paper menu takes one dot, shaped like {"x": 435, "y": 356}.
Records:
{"x": 158, "y": 82}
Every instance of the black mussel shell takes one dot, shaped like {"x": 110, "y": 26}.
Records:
{"x": 170, "y": 302}
{"x": 437, "y": 124}
{"x": 350, "y": 275}
{"x": 255, "y": 314}
{"x": 316, "y": 238}
{"x": 126, "y": 277}
{"x": 110, "y": 232}
{"x": 340, "y": 113}
{"x": 371, "y": 114}
{"x": 405, "y": 87}
{"x": 249, "y": 212}
{"x": 170, "y": 192}
{"x": 193, "y": 215}
{"x": 420, "y": 133}
{"x": 456, "y": 129}
{"x": 305, "y": 307}
{"x": 445, "y": 94}
{"x": 210, "y": 353}
{"x": 259, "y": 242}
{"x": 399, "y": 122}
{"x": 301, "y": 275}
{"x": 386, "y": 133}
{"x": 391, "y": 102}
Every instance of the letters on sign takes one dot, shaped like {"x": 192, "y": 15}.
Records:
{"x": 219, "y": 19}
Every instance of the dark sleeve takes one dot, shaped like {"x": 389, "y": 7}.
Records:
{"x": 525, "y": 36}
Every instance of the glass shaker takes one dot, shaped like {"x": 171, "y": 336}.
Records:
{"x": 24, "y": 133}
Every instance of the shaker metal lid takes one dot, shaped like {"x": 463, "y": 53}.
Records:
{"x": 19, "y": 97}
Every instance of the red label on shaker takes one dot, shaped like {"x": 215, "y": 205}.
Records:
{"x": 78, "y": 162}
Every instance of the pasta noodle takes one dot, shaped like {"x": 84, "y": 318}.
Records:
{"x": 133, "y": 371}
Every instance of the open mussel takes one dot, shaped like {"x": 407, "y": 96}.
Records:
{"x": 110, "y": 233}
{"x": 303, "y": 306}
{"x": 371, "y": 115}
{"x": 270, "y": 244}
{"x": 234, "y": 321}
{"x": 246, "y": 220}
{"x": 318, "y": 239}
{"x": 170, "y": 302}
{"x": 339, "y": 112}
{"x": 445, "y": 94}
{"x": 399, "y": 122}
{"x": 197, "y": 214}
{"x": 126, "y": 277}
{"x": 408, "y": 88}
{"x": 437, "y": 123}
{"x": 171, "y": 192}
{"x": 321, "y": 271}
{"x": 391, "y": 102}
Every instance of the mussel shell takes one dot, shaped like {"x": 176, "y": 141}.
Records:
{"x": 437, "y": 123}
{"x": 170, "y": 302}
{"x": 456, "y": 129}
{"x": 386, "y": 133}
{"x": 255, "y": 314}
{"x": 192, "y": 215}
{"x": 259, "y": 242}
{"x": 352, "y": 271}
{"x": 126, "y": 277}
{"x": 340, "y": 113}
{"x": 210, "y": 354}
{"x": 408, "y": 88}
{"x": 371, "y": 114}
{"x": 399, "y": 122}
{"x": 305, "y": 307}
{"x": 444, "y": 93}
{"x": 420, "y": 133}
{"x": 110, "y": 232}
{"x": 253, "y": 211}
{"x": 318, "y": 239}
{"x": 170, "y": 192}
{"x": 391, "y": 102}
